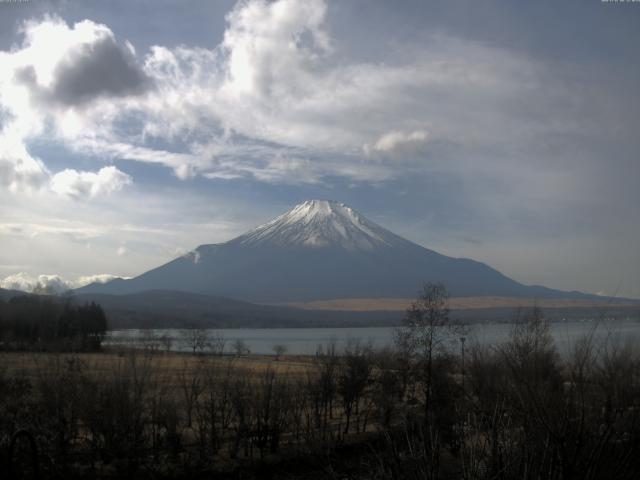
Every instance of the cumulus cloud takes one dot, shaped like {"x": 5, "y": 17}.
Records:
{"x": 274, "y": 84}
{"x": 83, "y": 63}
{"x": 77, "y": 184}
{"x": 271, "y": 100}
{"x": 55, "y": 84}
{"x": 19, "y": 171}
{"x": 399, "y": 143}
{"x": 265, "y": 47}
{"x": 50, "y": 284}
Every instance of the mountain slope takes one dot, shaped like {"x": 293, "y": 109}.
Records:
{"x": 321, "y": 250}
{"x": 8, "y": 294}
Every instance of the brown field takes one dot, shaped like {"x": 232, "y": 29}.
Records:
{"x": 172, "y": 364}
{"x": 456, "y": 303}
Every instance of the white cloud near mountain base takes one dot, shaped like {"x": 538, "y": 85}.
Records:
{"x": 27, "y": 283}
{"x": 50, "y": 284}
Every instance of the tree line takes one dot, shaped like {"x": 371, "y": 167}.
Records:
{"x": 31, "y": 322}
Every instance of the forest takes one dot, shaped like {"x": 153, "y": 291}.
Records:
{"x": 40, "y": 322}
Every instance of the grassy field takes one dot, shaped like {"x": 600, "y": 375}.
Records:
{"x": 459, "y": 303}
{"x": 116, "y": 410}
{"x": 172, "y": 368}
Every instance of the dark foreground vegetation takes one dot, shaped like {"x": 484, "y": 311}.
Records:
{"x": 513, "y": 411}
{"x": 31, "y": 322}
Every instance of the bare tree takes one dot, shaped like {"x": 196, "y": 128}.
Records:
{"x": 279, "y": 349}
{"x": 240, "y": 347}
{"x": 425, "y": 329}
{"x": 326, "y": 383}
{"x": 167, "y": 341}
{"x": 387, "y": 389}
{"x": 216, "y": 412}
{"x": 149, "y": 340}
{"x": 197, "y": 339}
{"x": 354, "y": 377}
{"x": 191, "y": 384}
{"x": 217, "y": 343}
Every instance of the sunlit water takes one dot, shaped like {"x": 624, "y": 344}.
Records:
{"x": 305, "y": 341}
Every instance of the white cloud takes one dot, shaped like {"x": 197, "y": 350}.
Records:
{"x": 19, "y": 171}
{"x": 88, "y": 279}
{"x": 271, "y": 86}
{"x": 184, "y": 165}
{"x": 60, "y": 84}
{"x": 121, "y": 251}
{"x": 265, "y": 46}
{"x": 69, "y": 229}
{"x": 50, "y": 284}
{"x": 68, "y": 67}
{"x": 275, "y": 84}
{"x": 399, "y": 143}
{"x": 271, "y": 100}
{"x": 27, "y": 283}
{"x": 89, "y": 184}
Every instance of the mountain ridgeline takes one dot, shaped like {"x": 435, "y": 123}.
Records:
{"x": 321, "y": 250}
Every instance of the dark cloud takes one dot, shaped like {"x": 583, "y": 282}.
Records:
{"x": 102, "y": 68}
{"x": 89, "y": 71}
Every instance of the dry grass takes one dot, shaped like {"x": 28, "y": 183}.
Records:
{"x": 457, "y": 303}
{"x": 170, "y": 365}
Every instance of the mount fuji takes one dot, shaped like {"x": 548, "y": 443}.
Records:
{"x": 321, "y": 250}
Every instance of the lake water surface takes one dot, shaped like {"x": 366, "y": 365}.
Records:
{"x": 305, "y": 341}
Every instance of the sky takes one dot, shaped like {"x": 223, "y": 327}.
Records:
{"x": 506, "y": 132}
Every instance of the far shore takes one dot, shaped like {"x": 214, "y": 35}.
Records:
{"x": 461, "y": 303}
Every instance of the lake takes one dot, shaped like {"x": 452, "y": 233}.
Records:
{"x": 304, "y": 341}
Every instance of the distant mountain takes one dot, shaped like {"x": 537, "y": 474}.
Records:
{"x": 321, "y": 250}
{"x": 7, "y": 294}
{"x": 173, "y": 309}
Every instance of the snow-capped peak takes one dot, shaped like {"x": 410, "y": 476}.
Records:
{"x": 317, "y": 224}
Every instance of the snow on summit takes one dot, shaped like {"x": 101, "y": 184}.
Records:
{"x": 320, "y": 223}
